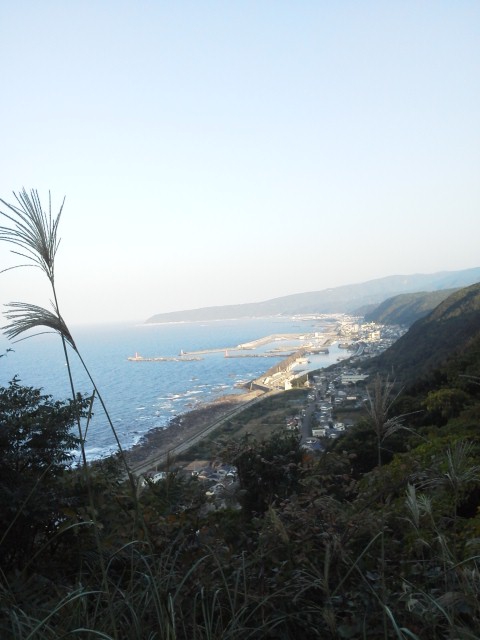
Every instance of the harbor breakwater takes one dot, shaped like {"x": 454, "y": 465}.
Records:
{"x": 148, "y": 394}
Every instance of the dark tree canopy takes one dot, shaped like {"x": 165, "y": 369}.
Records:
{"x": 36, "y": 446}
{"x": 36, "y": 431}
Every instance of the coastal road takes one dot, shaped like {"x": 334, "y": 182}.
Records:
{"x": 154, "y": 462}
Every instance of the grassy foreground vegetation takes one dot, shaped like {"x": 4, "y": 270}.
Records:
{"x": 334, "y": 546}
{"x": 377, "y": 537}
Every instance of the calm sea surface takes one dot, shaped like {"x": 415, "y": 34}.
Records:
{"x": 144, "y": 395}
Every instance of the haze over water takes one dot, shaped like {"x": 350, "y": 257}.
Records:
{"x": 144, "y": 395}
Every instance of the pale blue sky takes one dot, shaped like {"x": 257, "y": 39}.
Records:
{"x": 227, "y": 152}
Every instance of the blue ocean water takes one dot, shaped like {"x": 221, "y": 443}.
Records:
{"x": 145, "y": 395}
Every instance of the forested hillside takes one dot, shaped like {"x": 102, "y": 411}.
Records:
{"x": 450, "y": 330}
{"x": 407, "y": 308}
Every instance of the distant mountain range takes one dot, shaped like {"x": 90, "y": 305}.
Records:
{"x": 353, "y": 298}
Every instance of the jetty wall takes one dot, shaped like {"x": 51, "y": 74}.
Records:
{"x": 286, "y": 364}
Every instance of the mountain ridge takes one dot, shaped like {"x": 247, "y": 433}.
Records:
{"x": 343, "y": 299}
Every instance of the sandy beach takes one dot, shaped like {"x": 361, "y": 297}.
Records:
{"x": 158, "y": 442}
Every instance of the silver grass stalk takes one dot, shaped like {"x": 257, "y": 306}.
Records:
{"x": 380, "y": 398}
{"x": 34, "y": 231}
{"x": 26, "y": 317}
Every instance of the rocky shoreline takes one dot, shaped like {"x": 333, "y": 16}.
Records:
{"x": 159, "y": 441}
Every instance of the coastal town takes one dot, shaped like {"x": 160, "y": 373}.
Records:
{"x": 332, "y": 401}
{"x": 359, "y": 340}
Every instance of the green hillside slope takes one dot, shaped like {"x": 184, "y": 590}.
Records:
{"x": 449, "y": 331}
{"x": 407, "y": 308}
